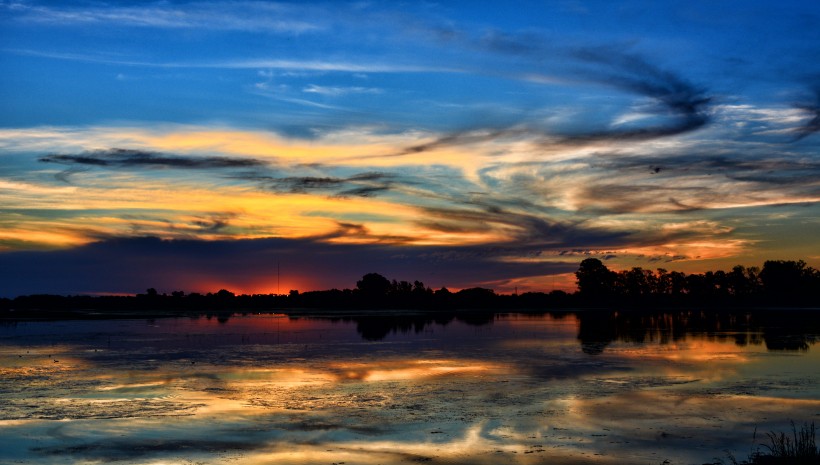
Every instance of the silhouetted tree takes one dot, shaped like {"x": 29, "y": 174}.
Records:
{"x": 595, "y": 280}
{"x": 787, "y": 282}
{"x": 635, "y": 283}
{"x": 475, "y": 297}
{"x": 373, "y": 285}
{"x": 779, "y": 283}
{"x": 743, "y": 282}
{"x": 442, "y": 298}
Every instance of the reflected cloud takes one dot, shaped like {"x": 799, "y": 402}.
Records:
{"x": 272, "y": 388}
{"x": 415, "y": 370}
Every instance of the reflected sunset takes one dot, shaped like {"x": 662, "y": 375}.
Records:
{"x": 516, "y": 388}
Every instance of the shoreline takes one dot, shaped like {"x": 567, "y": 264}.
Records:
{"x": 93, "y": 314}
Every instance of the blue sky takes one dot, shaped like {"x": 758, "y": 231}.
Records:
{"x": 422, "y": 138}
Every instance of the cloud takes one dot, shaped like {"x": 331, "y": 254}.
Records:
{"x": 128, "y": 158}
{"x": 362, "y": 65}
{"x": 367, "y": 191}
{"x": 359, "y": 185}
{"x": 684, "y": 106}
{"x": 132, "y": 265}
{"x": 464, "y": 138}
{"x": 685, "y": 103}
{"x": 681, "y": 106}
{"x": 528, "y": 232}
{"x": 639, "y": 180}
{"x": 214, "y": 223}
{"x": 239, "y": 16}
{"x": 813, "y": 109}
{"x": 336, "y": 91}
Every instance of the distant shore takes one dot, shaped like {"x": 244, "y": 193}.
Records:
{"x": 92, "y": 314}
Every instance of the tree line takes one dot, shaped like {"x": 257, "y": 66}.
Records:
{"x": 778, "y": 284}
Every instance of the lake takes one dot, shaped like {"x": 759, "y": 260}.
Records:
{"x": 587, "y": 387}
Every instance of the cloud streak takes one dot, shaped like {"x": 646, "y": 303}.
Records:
{"x": 813, "y": 109}
{"x": 686, "y": 104}
{"x": 129, "y": 158}
{"x": 682, "y": 106}
{"x": 359, "y": 185}
{"x": 272, "y": 18}
{"x": 363, "y": 65}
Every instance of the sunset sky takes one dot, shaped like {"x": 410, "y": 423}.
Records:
{"x": 263, "y": 147}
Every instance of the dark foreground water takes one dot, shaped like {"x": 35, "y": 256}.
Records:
{"x": 268, "y": 389}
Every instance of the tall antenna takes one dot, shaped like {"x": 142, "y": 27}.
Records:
{"x": 278, "y": 279}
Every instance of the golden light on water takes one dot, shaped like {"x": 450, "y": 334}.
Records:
{"x": 268, "y": 388}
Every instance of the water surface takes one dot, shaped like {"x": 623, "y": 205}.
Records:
{"x": 592, "y": 387}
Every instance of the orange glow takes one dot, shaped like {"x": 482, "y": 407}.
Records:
{"x": 268, "y": 284}
{"x": 412, "y": 369}
{"x": 542, "y": 283}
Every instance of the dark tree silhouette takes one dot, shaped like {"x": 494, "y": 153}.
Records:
{"x": 780, "y": 283}
{"x": 786, "y": 282}
{"x": 595, "y": 280}
{"x": 373, "y": 285}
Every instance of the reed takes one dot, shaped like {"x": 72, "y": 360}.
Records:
{"x": 797, "y": 448}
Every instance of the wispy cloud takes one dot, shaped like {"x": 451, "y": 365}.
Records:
{"x": 686, "y": 104}
{"x": 813, "y": 109}
{"x": 364, "y": 65}
{"x": 680, "y": 106}
{"x": 336, "y": 91}
{"x": 360, "y": 185}
{"x": 241, "y": 16}
{"x": 128, "y": 158}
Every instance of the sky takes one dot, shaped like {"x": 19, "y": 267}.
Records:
{"x": 268, "y": 146}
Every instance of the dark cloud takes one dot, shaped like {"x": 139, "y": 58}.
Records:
{"x": 366, "y": 191}
{"x": 365, "y": 184}
{"x": 305, "y": 183}
{"x": 215, "y": 223}
{"x": 371, "y": 176}
{"x": 686, "y": 104}
{"x": 681, "y": 106}
{"x": 702, "y": 162}
{"x": 813, "y": 109}
{"x": 462, "y": 138}
{"x": 128, "y": 158}
{"x": 135, "y": 264}
{"x": 349, "y": 230}
{"x": 531, "y": 231}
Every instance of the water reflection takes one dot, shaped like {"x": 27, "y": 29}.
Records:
{"x": 377, "y": 327}
{"x": 778, "y": 330}
{"x": 600, "y": 388}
